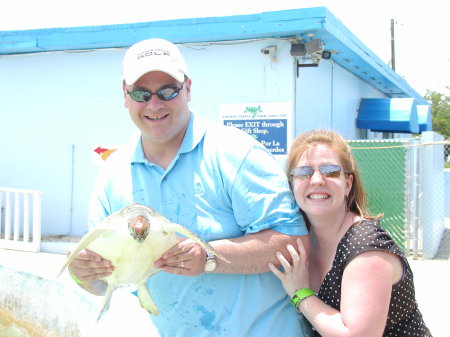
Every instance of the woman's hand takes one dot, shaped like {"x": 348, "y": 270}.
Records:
{"x": 89, "y": 266}
{"x": 296, "y": 275}
{"x": 88, "y": 269}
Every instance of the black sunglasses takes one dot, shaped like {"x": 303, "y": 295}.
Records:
{"x": 306, "y": 172}
{"x": 165, "y": 94}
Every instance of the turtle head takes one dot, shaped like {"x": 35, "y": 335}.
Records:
{"x": 139, "y": 227}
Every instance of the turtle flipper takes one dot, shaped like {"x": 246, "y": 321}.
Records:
{"x": 146, "y": 299}
{"x": 191, "y": 235}
{"x": 106, "y": 301}
{"x": 84, "y": 242}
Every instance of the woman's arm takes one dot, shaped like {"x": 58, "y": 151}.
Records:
{"x": 365, "y": 293}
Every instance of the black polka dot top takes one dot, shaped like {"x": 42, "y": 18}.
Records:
{"x": 404, "y": 317}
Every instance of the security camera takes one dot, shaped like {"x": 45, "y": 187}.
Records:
{"x": 270, "y": 51}
{"x": 310, "y": 53}
{"x": 326, "y": 54}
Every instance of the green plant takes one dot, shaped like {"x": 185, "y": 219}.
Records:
{"x": 440, "y": 108}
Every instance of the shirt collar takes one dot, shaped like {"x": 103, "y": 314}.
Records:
{"x": 194, "y": 134}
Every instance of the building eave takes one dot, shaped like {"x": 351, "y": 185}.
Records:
{"x": 319, "y": 22}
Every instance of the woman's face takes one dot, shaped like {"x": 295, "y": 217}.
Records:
{"x": 320, "y": 196}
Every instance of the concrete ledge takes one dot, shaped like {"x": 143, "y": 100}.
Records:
{"x": 58, "y": 244}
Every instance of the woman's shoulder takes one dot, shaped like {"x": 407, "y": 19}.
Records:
{"x": 366, "y": 228}
{"x": 366, "y": 235}
{"x": 367, "y": 231}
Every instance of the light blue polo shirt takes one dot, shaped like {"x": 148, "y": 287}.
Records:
{"x": 222, "y": 184}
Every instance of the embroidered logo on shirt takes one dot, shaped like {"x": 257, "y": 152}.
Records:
{"x": 198, "y": 188}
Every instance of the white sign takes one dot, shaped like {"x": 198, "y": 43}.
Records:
{"x": 269, "y": 123}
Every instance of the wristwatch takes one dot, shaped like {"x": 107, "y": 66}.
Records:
{"x": 211, "y": 262}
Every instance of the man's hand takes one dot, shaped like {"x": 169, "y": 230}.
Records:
{"x": 185, "y": 258}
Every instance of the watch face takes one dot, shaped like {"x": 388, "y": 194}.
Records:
{"x": 210, "y": 265}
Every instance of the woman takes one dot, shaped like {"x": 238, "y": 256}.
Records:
{"x": 364, "y": 284}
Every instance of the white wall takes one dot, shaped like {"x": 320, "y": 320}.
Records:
{"x": 55, "y": 108}
{"x": 447, "y": 192}
{"x": 433, "y": 195}
{"x": 328, "y": 96}
{"x": 238, "y": 73}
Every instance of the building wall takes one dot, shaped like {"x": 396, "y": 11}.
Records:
{"x": 56, "y": 108}
{"x": 238, "y": 73}
{"x": 447, "y": 192}
{"x": 328, "y": 96}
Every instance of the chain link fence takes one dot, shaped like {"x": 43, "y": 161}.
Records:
{"x": 383, "y": 169}
{"x": 404, "y": 180}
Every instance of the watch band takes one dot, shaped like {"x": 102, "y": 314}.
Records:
{"x": 300, "y": 295}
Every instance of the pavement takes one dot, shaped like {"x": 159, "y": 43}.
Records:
{"x": 432, "y": 283}
{"x": 126, "y": 318}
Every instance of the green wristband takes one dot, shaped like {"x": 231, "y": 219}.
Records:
{"x": 75, "y": 278}
{"x": 300, "y": 295}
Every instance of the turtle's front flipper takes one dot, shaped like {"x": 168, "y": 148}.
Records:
{"x": 84, "y": 242}
{"x": 146, "y": 299}
{"x": 191, "y": 235}
{"x": 106, "y": 301}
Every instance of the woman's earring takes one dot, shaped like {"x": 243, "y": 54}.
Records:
{"x": 346, "y": 202}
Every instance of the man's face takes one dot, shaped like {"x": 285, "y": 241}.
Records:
{"x": 161, "y": 122}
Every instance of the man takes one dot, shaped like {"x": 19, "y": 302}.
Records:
{"x": 215, "y": 180}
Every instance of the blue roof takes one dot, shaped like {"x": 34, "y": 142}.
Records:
{"x": 388, "y": 115}
{"x": 351, "y": 53}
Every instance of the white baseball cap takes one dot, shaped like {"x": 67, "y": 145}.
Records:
{"x": 153, "y": 55}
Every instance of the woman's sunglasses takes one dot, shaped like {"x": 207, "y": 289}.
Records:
{"x": 306, "y": 172}
{"x": 165, "y": 94}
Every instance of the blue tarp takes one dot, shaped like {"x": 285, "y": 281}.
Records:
{"x": 388, "y": 115}
{"x": 424, "y": 116}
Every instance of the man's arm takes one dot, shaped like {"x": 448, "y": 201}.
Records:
{"x": 248, "y": 254}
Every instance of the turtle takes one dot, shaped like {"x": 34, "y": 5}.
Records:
{"x": 132, "y": 239}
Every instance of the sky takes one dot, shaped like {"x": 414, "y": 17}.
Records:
{"x": 422, "y": 51}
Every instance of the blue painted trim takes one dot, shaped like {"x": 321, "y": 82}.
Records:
{"x": 352, "y": 54}
{"x": 388, "y": 115}
{"x": 240, "y": 27}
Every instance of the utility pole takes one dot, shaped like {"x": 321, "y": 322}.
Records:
{"x": 392, "y": 45}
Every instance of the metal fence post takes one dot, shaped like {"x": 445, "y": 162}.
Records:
{"x": 415, "y": 196}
